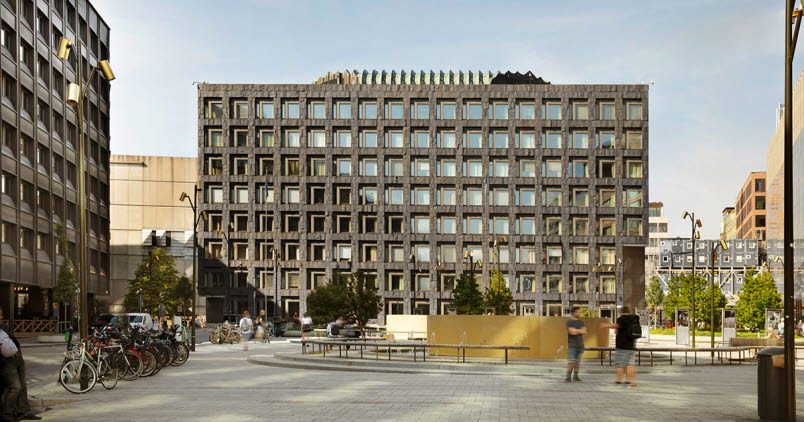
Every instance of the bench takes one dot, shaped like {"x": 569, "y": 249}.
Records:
{"x": 413, "y": 346}
{"x": 719, "y": 351}
{"x": 758, "y": 342}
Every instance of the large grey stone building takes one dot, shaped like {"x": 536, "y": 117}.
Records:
{"x": 39, "y": 150}
{"x": 402, "y": 174}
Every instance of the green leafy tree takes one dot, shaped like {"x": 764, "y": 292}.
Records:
{"x": 466, "y": 296}
{"x": 156, "y": 278}
{"x": 706, "y": 307}
{"x": 182, "y": 294}
{"x": 757, "y": 294}
{"x": 363, "y": 300}
{"x": 330, "y": 301}
{"x": 654, "y": 296}
{"x": 498, "y": 294}
{"x": 679, "y": 295}
{"x": 66, "y": 283}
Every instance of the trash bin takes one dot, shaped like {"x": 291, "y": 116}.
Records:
{"x": 771, "y": 385}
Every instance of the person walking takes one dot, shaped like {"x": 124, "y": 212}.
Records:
{"x": 306, "y": 325}
{"x": 625, "y": 346}
{"x": 575, "y": 332}
{"x": 246, "y": 327}
{"x": 15, "y": 404}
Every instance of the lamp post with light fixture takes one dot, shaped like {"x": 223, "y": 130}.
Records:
{"x": 75, "y": 98}
{"x": 196, "y": 218}
{"x": 719, "y": 244}
{"x": 696, "y": 224}
{"x": 225, "y": 235}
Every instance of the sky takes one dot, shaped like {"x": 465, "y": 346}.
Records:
{"x": 716, "y": 68}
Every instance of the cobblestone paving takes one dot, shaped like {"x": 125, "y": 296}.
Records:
{"x": 217, "y": 384}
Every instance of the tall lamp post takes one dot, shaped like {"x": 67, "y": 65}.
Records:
{"x": 276, "y": 256}
{"x": 196, "y": 218}
{"x": 722, "y": 245}
{"x": 467, "y": 256}
{"x": 225, "y": 235}
{"x": 75, "y": 98}
{"x": 695, "y": 235}
{"x": 790, "y": 39}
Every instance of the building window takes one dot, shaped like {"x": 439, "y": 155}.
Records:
{"x": 368, "y": 167}
{"x": 396, "y": 253}
{"x": 395, "y": 282}
{"x": 607, "y": 227}
{"x": 632, "y": 198}
{"x": 290, "y": 110}
{"x": 394, "y": 167}
{"x": 526, "y": 225}
{"x": 580, "y": 197}
{"x": 633, "y": 140}
{"x": 498, "y": 139}
{"x": 215, "y": 195}
{"x": 500, "y": 168}
{"x": 240, "y": 195}
{"x": 240, "y": 109}
{"x": 292, "y": 138}
{"x": 394, "y": 110}
{"x": 420, "y": 110}
{"x": 580, "y": 140}
{"x": 317, "y": 139}
{"x": 318, "y": 167}
{"x": 292, "y": 195}
{"x": 473, "y": 140}
{"x": 473, "y": 111}
{"x": 446, "y": 110}
{"x": 526, "y": 197}
{"x": 634, "y": 169}
{"x": 551, "y": 198}
{"x": 214, "y": 138}
{"x": 553, "y": 255}
{"x": 551, "y": 140}
{"x": 551, "y": 168}
{"x": 606, "y": 198}
{"x": 580, "y": 111}
{"x": 526, "y": 111}
{"x": 551, "y": 111}
{"x": 633, "y": 227}
{"x": 499, "y": 111}
{"x": 421, "y": 139}
{"x": 580, "y": 226}
{"x": 499, "y": 197}
{"x": 342, "y": 110}
{"x": 395, "y": 196}
{"x": 343, "y": 252}
{"x": 447, "y": 196}
{"x": 265, "y": 110}
{"x": 606, "y": 168}
{"x": 580, "y": 255}
{"x": 498, "y": 225}
{"x": 266, "y": 138}
{"x": 421, "y": 167}
{"x": 344, "y": 139}
{"x": 368, "y": 110}
{"x": 447, "y": 140}
{"x": 368, "y": 139}
{"x": 421, "y": 196}
{"x": 552, "y": 226}
{"x": 449, "y": 253}
{"x": 473, "y": 197}
{"x": 607, "y": 285}
{"x": 344, "y": 166}
{"x": 369, "y": 195}
{"x": 473, "y": 225}
{"x": 552, "y": 284}
{"x": 240, "y": 166}
{"x": 606, "y": 140}
{"x": 422, "y": 253}
{"x": 394, "y": 139}
{"x": 473, "y": 168}
{"x": 447, "y": 225}
{"x": 633, "y": 111}
{"x": 606, "y": 110}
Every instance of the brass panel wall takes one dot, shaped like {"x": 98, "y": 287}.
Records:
{"x": 546, "y": 336}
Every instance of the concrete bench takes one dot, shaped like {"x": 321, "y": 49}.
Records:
{"x": 413, "y": 346}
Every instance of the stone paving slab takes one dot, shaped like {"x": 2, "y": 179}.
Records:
{"x": 218, "y": 384}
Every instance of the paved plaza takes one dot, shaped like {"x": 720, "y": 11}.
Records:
{"x": 218, "y": 384}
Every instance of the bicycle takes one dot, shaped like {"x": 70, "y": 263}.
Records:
{"x": 83, "y": 368}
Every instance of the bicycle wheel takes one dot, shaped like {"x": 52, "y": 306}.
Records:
{"x": 214, "y": 337}
{"x": 235, "y": 337}
{"x": 182, "y": 353}
{"x": 76, "y": 372}
{"x": 108, "y": 375}
{"x": 133, "y": 366}
{"x": 149, "y": 362}
{"x": 164, "y": 355}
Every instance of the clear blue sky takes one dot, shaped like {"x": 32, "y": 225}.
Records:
{"x": 717, "y": 67}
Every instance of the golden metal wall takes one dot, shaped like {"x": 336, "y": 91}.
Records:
{"x": 546, "y": 336}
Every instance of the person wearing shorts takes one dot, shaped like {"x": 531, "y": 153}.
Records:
{"x": 575, "y": 331}
{"x": 625, "y": 347}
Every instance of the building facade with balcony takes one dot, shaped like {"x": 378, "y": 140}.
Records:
{"x": 401, "y": 175}
{"x": 40, "y": 151}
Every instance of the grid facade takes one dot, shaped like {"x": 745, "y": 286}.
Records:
{"x": 400, "y": 181}
{"x": 40, "y": 142}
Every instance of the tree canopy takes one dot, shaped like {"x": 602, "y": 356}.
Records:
{"x": 654, "y": 296}
{"x": 758, "y": 293}
{"x": 328, "y": 302}
{"x": 157, "y": 279}
{"x": 467, "y": 298}
{"x": 498, "y": 295}
{"x": 363, "y": 300}
{"x": 66, "y": 283}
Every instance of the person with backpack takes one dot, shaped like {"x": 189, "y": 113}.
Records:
{"x": 246, "y": 326}
{"x": 628, "y": 331}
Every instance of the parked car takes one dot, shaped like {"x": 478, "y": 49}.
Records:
{"x": 134, "y": 320}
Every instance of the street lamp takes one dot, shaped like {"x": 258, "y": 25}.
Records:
{"x": 722, "y": 245}
{"x": 196, "y": 218}
{"x": 75, "y": 98}
{"x": 694, "y": 236}
{"x": 276, "y": 256}
{"x": 228, "y": 266}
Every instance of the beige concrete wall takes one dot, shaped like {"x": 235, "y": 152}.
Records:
{"x": 406, "y": 326}
{"x": 144, "y": 196}
{"x": 546, "y": 336}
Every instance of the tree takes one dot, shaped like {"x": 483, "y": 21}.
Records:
{"x": 654, "y": 296}
{"x": 498, "y": 295}
{"x": 328, "y": 302}
{"x": 679, "y": 295}
{"x": 182, "y": 293}
{"x": 706, "y": 306}
{"x": 466, "y": 295}
{"x": 363, "y": 300}
{"x": 757, "y": 294}
{"x": 156, "y": 279}
{"x": 66, "y": 283}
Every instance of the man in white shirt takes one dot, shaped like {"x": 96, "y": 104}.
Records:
{"x": 15, "y": 396}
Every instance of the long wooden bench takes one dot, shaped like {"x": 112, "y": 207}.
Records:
{"x": 719, "y": 351}
{"x": 413, "y": 346}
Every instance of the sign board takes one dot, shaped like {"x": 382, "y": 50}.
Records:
{"x": 683, "y": 326}
{"x": 772, "y": 319}
{"x": 179, "y": 309}
{"x": 729, "y": 319}
{"x": 644, "y": 322}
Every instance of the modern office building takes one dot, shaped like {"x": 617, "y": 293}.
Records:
{"x": 401, "y": 175}
{"x": 147, "y": 214}
{"x": 729, "y": 268}
{"x": 657, "y": 230}
{"x": 750, "y": 208}
{"x": 40, "y": 151}
{"x": 728, "y": 224}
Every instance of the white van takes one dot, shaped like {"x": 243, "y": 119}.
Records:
{"x": 134, "y": 320}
